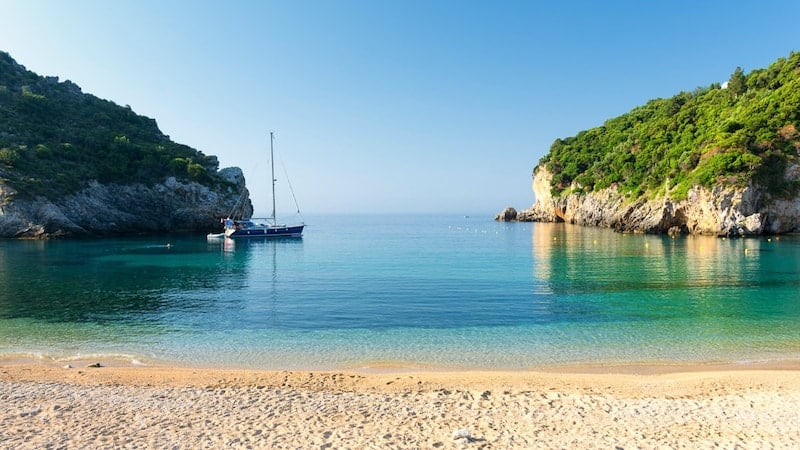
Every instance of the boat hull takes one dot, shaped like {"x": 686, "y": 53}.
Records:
{"x": 266, "y": 232}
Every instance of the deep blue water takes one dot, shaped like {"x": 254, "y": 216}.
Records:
{"x": 426, "y": 291}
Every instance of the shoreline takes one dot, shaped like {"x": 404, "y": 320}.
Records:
{"x": 93, "y": 371}
{"x": 788, "y": 362}
{"x": 608, "y": 407}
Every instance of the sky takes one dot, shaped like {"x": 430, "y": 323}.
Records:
{"x": 385, "y": 106}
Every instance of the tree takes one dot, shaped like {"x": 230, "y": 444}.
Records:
{"x": 709, "y": 136}
{"x": 738, "y": 82}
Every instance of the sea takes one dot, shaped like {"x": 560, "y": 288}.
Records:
{"x": 449, "y": 292}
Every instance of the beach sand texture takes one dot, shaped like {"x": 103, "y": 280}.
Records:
{"x": 48, "y": 406}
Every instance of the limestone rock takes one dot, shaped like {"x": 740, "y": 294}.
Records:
{"x": 507, "y": 215}
{"x": 113, "y": 210}
{"x": 722, "y": 211}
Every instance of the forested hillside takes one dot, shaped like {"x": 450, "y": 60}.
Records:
{"x": 730, "y": 134}
{"x": 54, "y": 139}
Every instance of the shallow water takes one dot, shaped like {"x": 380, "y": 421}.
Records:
{"x": 425, "y": 291}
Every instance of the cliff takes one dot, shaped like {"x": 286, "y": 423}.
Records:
{"x": 116, "y": 210}
{"x": 72, "y": 164}
{"x": 722, "y": 211}
{"x": 719, "y": 160}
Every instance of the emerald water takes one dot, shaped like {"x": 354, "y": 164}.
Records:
{"x": 424, "y": 291}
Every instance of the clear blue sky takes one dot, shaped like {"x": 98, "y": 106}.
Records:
{"x": 391, "y": 106}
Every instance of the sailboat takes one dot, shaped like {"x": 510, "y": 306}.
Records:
{"x": 251, "y": 227}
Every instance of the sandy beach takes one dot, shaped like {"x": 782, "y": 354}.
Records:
{"x": 48, "y": 406}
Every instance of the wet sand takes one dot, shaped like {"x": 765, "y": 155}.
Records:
{"x": 48, "y": 406}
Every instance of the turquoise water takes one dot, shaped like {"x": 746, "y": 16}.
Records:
{"x": 422, "y": 291}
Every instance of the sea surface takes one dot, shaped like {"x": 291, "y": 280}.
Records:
{"x": 453, "y": 292}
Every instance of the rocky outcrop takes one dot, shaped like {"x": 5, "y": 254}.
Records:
{"x": 507, "y": 215}
{"x": 115, "y": 210}
{"x": 722, "y": 211}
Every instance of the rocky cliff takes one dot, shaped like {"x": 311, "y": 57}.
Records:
{"x": 115, "y": 209}
{"x": 72, "y": 164}
{"x": 719, "y": 160}
{"x": 721, "y": 211}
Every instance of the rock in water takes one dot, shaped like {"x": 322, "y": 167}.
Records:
{"x": 508, "y": 215}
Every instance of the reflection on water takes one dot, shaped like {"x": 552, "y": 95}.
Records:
{"x": 120, "y": 294}
{"x": 442, "y": 291}
{"x": 601, "y": 275}
{"x": 119, "y": 280}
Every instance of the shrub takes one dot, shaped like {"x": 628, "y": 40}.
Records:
{"x": 708, "y": 136}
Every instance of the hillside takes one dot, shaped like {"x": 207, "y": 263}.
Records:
{"x": 743, "y": 131}
{"x": 719, "y": 160}
{"x": 54, "y": 139}
{"x": 69, "y": 153}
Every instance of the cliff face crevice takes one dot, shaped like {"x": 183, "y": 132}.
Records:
{"x": 721, "y": 211}
{"x": 171, "y": 206}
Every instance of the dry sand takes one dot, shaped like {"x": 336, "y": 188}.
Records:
{"x": 48, "y": 406}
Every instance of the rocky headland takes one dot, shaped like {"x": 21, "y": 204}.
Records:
{"x": 721, "y": 211}
{"x": 172, "y": 206}
{"x": 721, "y": 160}
{"x": 75, "y": 165}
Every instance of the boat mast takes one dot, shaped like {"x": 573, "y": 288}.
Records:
{"x": 272, "y": 163}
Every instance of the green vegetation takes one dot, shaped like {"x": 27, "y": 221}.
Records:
{"x": 747, "y": 130}
{"x": 54, "y": 140}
